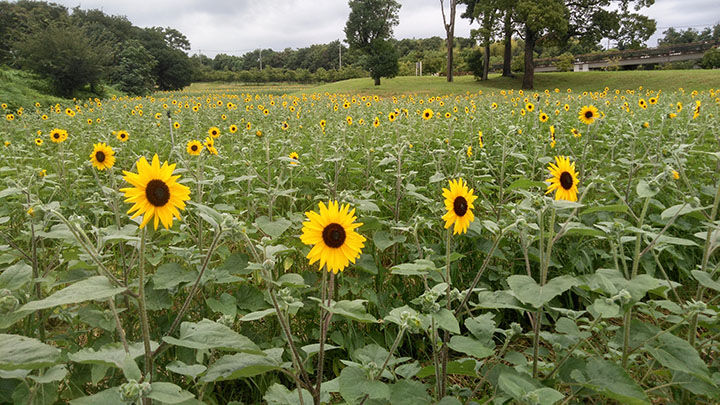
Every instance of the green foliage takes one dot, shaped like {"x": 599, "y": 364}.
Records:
{"x": 369, "y": 21}
{"x": 564, "y": 62}
{"x": 64, "y": 54}
{"x": 381, "y": 61}
{"x": 474, "y": 63}
{"x": 133, "y": 72}
{"x": 711, "y": 59}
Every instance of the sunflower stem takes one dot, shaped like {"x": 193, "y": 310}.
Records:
{"x": 143, "y": 310}
{"x": 692, "y": 332}
{"x": 325, "y": 317}
{"x": 444, "y": 353}
{"x": 543, "y": 280}
{"x": 395, "y": 344}
{"x": 297, "y": 363}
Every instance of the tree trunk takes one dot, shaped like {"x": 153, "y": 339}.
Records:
{"x": 377, "y": 81}
{"x": 486, "y": 59}
{"x": 450, "y": 46}
{"x": 529, "y": 75}
{"x": 507, "y": 57}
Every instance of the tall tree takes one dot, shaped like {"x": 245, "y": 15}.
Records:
{"x": 449, "y": 24}
{"x": 371, "y": 22}
{"x": 486, "y": 13}
{"x": 539, "y": 18}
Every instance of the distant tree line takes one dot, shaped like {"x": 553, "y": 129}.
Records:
{"x": 85, "y": 48}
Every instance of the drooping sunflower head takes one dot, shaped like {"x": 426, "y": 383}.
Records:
{"x": 332, "y": 232}
{"x": 102, "y": 156}
{"x": 459, "y": 205}
{"x": 564, "y": 179}
{"x": 588, "y": 114}
{"x": 214, "y": 132}
{"x": 194, "y": 147}
{"x": 155, "y": 192}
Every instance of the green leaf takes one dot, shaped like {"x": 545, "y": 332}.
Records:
{"x": 470, "y": 346}
{"x": 383, "y": 239}
{"x": 110, "y": 396}
{"x": 530, "y": 292}
{"x": 354, "y": 385}
{"x": 170, "y": 275}
{"x": 93, "y": 288}
{"x": 524, "y": 184}
{"x": 240, "y": 365}
{"x": 679, "y": 210}
{"x": 420, "y": 267}
{"x": 517, "y": 385}
{"x": 546, "y": 396}
{"x": 409, "y": 392}
{"x": 130, "y": 369}
{"x": 292, "y": 280}
{"x": 677, "y": 354}
{"x": 168, "y": 393}
{"x": 179, "y": 367}
{"x": 207, "y": 334}
{"x": 26, "y": 353}
{"x": 604, "y": 309}
{"x": 645, "y": 190}
{"x": 446, "y": 320}
{"x": 621, "y": 208}
{"x": 278, "y": 394}
{"x": 460, "y": 367}
{"x": 612, "y": 381}
{"x": 254, "y": 316}
{"x": 354, "y": 310}
{"x": 16, "y": 276}
{"x": 705, "y": 280}
{"x": 111, "y": 354}
{"x": 55, "y": 373}
{"x": 273, "y": 228}
{"x": 226, "y": 305}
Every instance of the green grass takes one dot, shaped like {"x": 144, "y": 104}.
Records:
{"x": 666, "y": 80}
{"x": 238, "y": 88}
{"x": 18, "y": 88}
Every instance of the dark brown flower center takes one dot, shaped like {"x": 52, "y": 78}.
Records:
{"x": 566, "y": 180}
{"x": 334, "y": 235}
{"x": 157, "y": 192}
{"x": 588, "y": 114}
{"x": 214, "y": 132}
{"x": 460, "y": 206}
{"x": 100, "y": 156}
{"x": 194, "y": 148}
{"x": 56, "y": 135}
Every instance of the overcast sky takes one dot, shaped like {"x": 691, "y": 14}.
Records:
{"x": 239, "y": 26}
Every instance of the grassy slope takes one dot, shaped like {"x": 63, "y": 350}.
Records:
{"x": 18, "y": 88}
{"x": 666, "y": 80}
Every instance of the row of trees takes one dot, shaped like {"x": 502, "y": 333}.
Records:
{"x": 88, "y": 47}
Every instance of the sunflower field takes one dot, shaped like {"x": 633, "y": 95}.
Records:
{"x": 501, "y": 247}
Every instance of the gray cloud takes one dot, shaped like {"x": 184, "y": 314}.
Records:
{"x": 238, "y": 26}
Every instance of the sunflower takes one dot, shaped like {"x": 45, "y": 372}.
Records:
{"x": 214, "y": 132}
{"x": 332, "y": 232}
{"x": 448, "y": 115}
{"x": 392, "y": 116}
{"x": 588, "y": 114}
{"x": 376, "y": 122}
{"x": 675, "y": 175}
{"x": 295, "y": 156}
{"x": 158, "y": 116}
{"x": 258, "y": 133}
{"x": 564, "y": 179}
{"x": 122, "y": 135}
{"x": 642, "y": 104}
{"x": 58, "y": 135}
{"x": 494, "y": 106}
{"x": 349, "y": 120}
{"x": 10, "y": 117}
{"x": 427, "y": 114}
{"x": 543, "y": 117}
{"x": 69, "y": 112}
{"x": 576, "y": 133}
{"x": 176, "y": 125}
{"x": 652, "y": 100}
{"x": 44, "y": 117}
{"x": 285, "y": 125}
{"x": 155, "y": 192}
{"x": 102, "y": 156}
{"x": 248, "y": 125}
{"x": 459, "y": 206}
{"x": 233, "y": 129}
{"x": 212, "y": 150}
{"x": 469, "y": 151}
{"x": 323, "y": 123}
{"x": 38, "y": 141}
{"x": 194, "y": 147}
{"x": 566, "y": 107}
{"x": 480, "y": 139}
{"x": 530, "y": 107}
{"x": 679, "y": 106}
